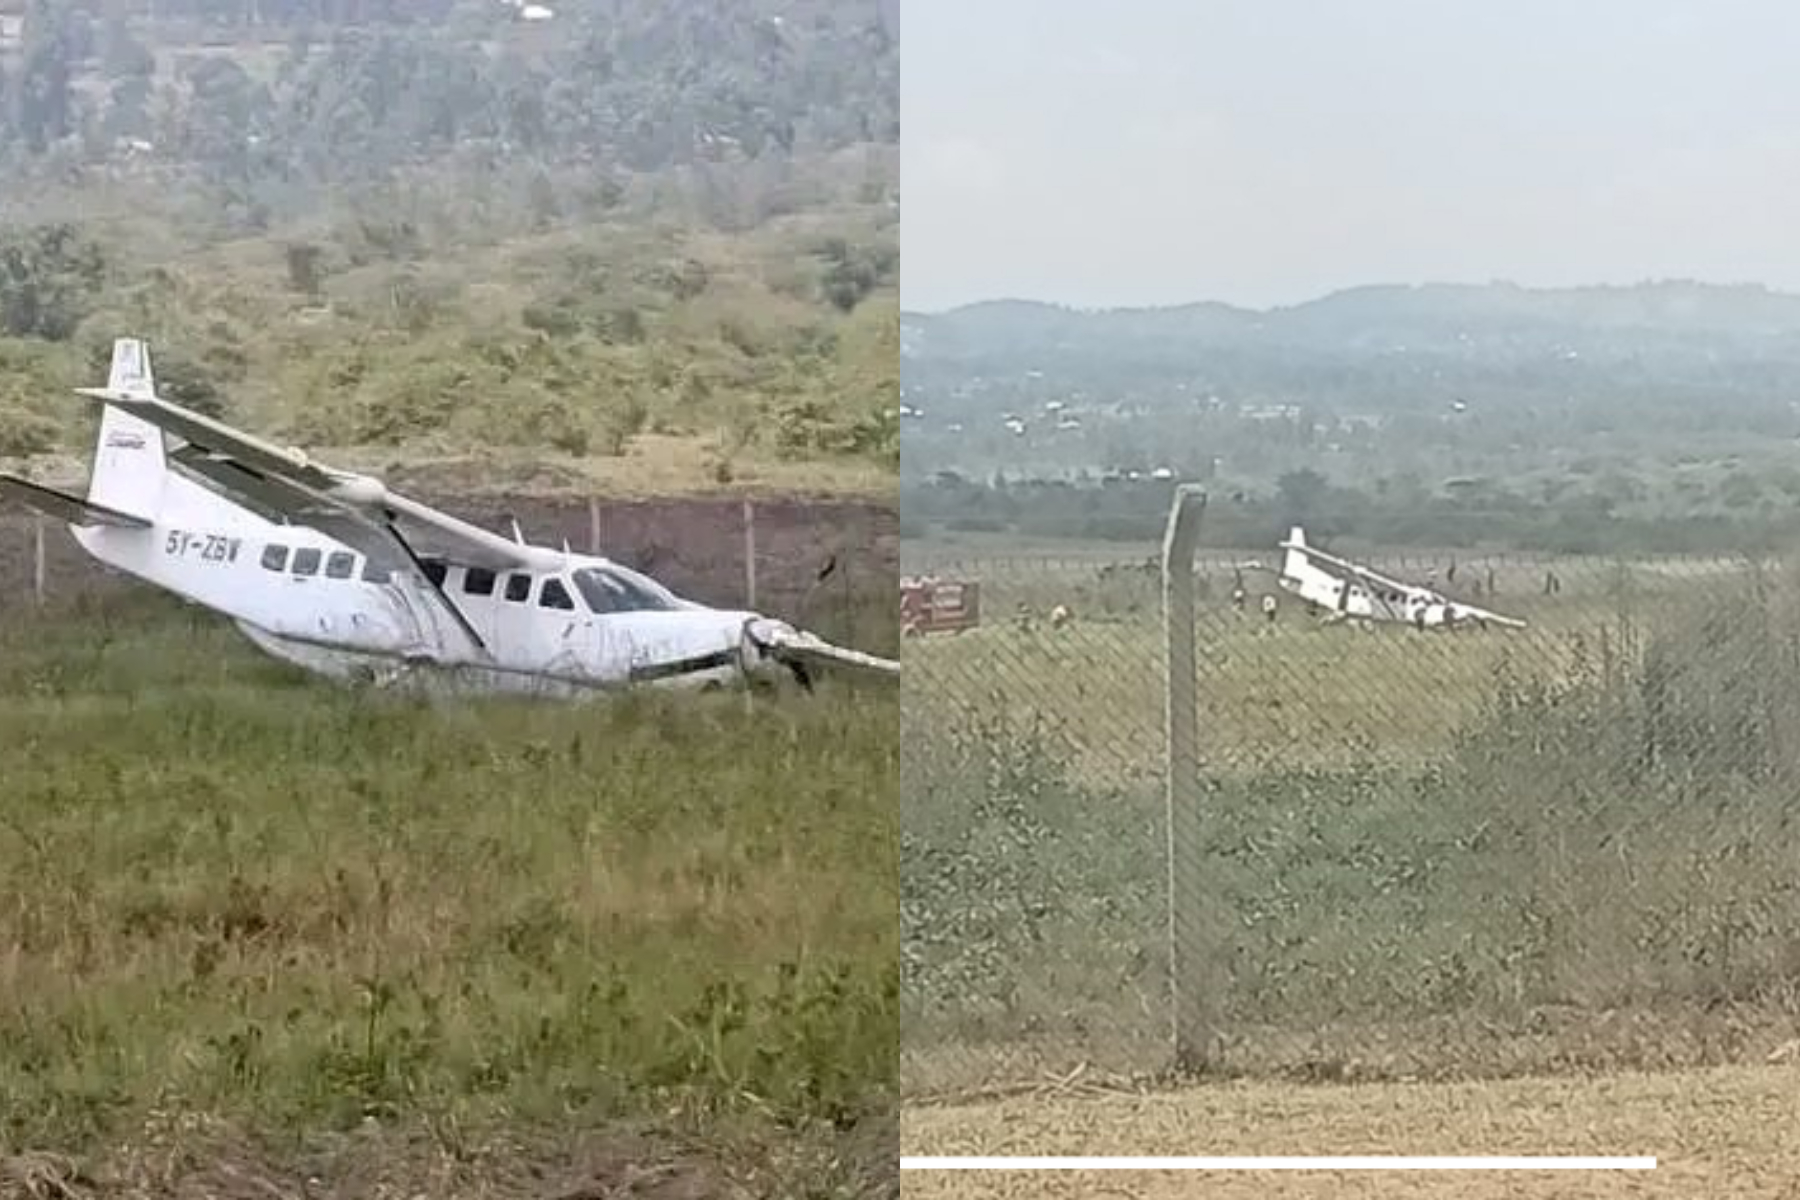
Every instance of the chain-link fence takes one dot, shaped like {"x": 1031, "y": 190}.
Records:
{"x": 1417, "y": 853}
{"x": 827, "y": 564}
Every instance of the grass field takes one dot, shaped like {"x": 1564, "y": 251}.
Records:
{"x": 1422, "y": 855}
{"x": 268, "y": 912}
{"x": 1725, "y": 1132}
{"x": 1296, "y": 691}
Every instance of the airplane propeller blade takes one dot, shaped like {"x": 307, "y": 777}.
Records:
{"x": 795, "y": 647}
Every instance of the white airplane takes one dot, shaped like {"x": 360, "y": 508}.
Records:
{"x": 1345, "y": 590}
{"x": 334, "y": 573}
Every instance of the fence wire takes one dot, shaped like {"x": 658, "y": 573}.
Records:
{"x": 1422, "y": 853}
{"x": 828, "y": 565}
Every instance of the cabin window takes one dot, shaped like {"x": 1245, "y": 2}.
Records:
{"x": 478, "y": 581}
{"x": 275, "y": 557}
{"x": 341, "y": 565}
{"x": 435, "y": 570}
{"x": 554, "y": 595}
{"x": 518, "y": 588}
{"x": 375, "y": 573}
{"x": 616, "y": 592}
{"x": 306, "y": 561}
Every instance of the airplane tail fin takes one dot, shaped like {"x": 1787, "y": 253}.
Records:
{"x": 1295, "y": 558}
{"x": 130, "y": 374}
{"x": 130, "y": 465}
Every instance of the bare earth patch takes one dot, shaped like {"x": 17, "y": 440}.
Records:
{"x": 1732, "y": 1131}
{"x": 192, "y": 1158}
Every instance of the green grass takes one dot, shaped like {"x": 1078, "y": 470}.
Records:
{"x": 231, "y": 890}
{"x": 1295, "y": 693}
{"x": 1430, "y": 854}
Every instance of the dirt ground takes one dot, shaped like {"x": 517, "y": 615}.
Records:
{"x": 190, "y": 1158}
{"x": 1728, "y": 1132}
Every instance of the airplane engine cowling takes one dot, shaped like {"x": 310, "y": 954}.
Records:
{"x": 759, "y": 657}
{"x": 362, "y": 490}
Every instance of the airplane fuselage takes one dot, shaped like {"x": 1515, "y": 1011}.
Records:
{"x": 314, "y": 602}
{"x": 335, "y": 572}
{"x": 1395, "y": 602}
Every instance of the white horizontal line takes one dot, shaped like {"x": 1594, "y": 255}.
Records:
{"x": 1302, "y": 1163}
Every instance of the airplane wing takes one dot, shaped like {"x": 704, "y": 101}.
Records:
{"x": 278, "y": 500}
{"x": 286, "y": 483}
{"x": 1344, "y": 564}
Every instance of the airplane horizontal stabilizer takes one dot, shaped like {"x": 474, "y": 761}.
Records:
{"x": 65, "y": 507}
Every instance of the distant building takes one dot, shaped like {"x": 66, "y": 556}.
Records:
{"x": 1269, "y": 412}
{"x": 12, "y": 25}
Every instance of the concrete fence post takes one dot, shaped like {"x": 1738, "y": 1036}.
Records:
{"x": 1187, "y": 965}
{"x": 749, "y": 553}
{"x": 38, "y": 570}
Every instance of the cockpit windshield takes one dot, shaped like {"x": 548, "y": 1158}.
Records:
{"x": 611, "y": 592}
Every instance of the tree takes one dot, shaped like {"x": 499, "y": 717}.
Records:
{"x": 43, "y": 106}
{"x": 121, "y": 54}
{"x": 48, "y": 276}
{"x": 1301, "y": 494}
{"x": 303, "y": 266}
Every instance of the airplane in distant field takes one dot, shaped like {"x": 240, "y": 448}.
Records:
{"x": 1346, "y": 590}
{"x": 333, "y": 572}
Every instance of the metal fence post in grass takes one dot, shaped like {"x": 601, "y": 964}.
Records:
{"x": 1182, "y": 767}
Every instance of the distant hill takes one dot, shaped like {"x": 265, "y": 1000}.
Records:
{"x": 1671, "y": 306}
{"x": 1662, "y": 415}
{"x": 1386, "y": 346}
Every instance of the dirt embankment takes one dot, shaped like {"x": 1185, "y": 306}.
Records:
{"x": 694, "y": 545}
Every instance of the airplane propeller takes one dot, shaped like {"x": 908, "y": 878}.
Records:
{"x": 754, "y": 654}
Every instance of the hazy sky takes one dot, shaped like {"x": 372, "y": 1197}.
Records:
{"x": 1114, "y": 152}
